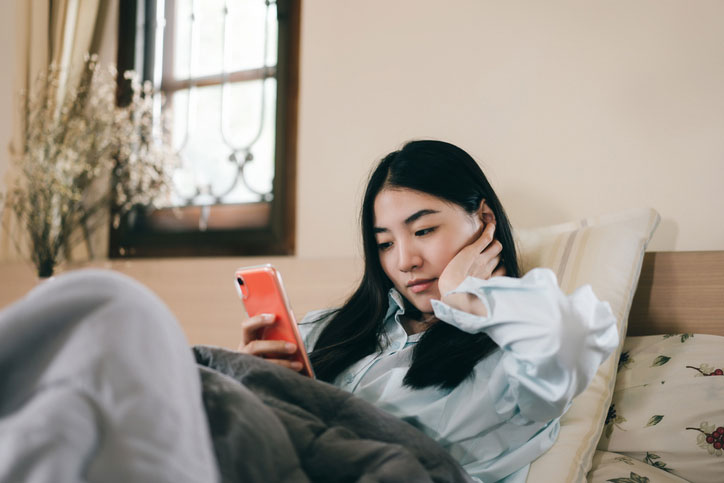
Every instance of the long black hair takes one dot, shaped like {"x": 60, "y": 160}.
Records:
{"x": 444, "y": 356}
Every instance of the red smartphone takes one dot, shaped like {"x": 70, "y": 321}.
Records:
{"x": 262, "y": 292}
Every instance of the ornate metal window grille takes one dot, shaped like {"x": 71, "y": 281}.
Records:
{"x": 227, "y": 69}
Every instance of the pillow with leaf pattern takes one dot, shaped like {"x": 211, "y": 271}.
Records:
{"x": 616, "y": 468}
{"x": 668, "y": 405}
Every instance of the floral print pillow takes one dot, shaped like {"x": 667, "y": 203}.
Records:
{"x": 616, "y": 468}
{"x": 667, "y": 409}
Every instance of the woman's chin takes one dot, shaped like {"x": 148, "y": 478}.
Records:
{"x": 423, "y": 303}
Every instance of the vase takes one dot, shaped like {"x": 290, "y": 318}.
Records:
{"x": 45, "y": 267}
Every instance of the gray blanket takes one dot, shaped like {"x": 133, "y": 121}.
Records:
{"x": 270, "y": 424}
{"x": 97, "y": 384}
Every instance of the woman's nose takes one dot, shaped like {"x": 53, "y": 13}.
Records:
{"x": 409, "y": 257}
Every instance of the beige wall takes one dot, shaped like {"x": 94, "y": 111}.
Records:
{"x": 573, "y": 108}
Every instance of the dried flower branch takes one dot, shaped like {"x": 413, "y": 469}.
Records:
{"x": 80, "y": 153}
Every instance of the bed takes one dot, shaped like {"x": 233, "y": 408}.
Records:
{"x": 642, "y": 395}
{"x": 652, "y": 411}
{"x": 666, "y": 408}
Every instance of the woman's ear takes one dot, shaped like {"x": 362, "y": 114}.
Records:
{"x": 485, "y": 213}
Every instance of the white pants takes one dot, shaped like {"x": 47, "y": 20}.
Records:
{"x": 97, "y": 384}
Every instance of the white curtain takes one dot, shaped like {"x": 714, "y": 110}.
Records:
{"x": 49, "y": 31}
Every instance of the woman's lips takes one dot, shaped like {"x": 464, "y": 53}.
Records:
{"x": 417, "y": 286}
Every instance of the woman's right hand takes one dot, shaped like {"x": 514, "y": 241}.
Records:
{"x": 276, "y": 351}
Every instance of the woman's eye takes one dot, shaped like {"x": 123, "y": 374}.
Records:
{"x": 384, "y": 246}
{"x": 425, "y": 231}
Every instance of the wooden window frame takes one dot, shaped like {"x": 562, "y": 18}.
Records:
{"x": 161, "y": 234}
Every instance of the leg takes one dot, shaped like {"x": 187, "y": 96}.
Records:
{"x": 97, "y": 383}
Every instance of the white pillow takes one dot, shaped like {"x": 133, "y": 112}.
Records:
{"x": 605, "y": 252}
{"x": 667, "y": 402}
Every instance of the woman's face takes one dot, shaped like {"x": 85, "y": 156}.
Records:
{"x": 417, "y": 235}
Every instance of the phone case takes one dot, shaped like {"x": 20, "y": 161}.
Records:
{"x": 262, "y": 292}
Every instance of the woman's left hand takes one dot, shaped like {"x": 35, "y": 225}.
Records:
{"x": 480, "y": 259}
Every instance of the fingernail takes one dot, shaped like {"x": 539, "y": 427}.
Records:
{"x": 290, "y": 347}
{"x": 268, "y": 317}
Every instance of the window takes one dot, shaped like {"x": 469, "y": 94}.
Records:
{"x": 228, "y": 71}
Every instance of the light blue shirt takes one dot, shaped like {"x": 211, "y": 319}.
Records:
{"x": 506, "y": 415}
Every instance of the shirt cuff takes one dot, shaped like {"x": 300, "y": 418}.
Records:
{"x": 471, "y": 323}
{"x": 484, "y": 290}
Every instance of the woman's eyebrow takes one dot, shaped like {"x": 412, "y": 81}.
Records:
{"x": 419, "y": 214}
{"x": 410, "y": 219}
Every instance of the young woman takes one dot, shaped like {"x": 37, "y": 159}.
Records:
{"x": 442, "y": 331}
{"x": 97, "y": 382}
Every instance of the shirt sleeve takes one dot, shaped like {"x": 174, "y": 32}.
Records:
{"x": 552, "y": 343}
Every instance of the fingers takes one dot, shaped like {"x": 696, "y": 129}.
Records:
{"x": 491, "y": 265}
{"x": 252, "y": 344}
{"x": 493, "y": 249}
{"x": 275, "y": 351}
{"x": 486, "y": 237}
{"x": 250, "y": 327}
{"x": 265, "y": 348}
{"x": 500, "y": 272}
{"x": 488, "y": 261}
{"x": 269, "y": 348}
{"x": 293, "y": 365}
{"x": 480, "y": 258}
{"x": 489, "y": 258}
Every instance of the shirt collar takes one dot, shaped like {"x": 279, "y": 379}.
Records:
{"x": 394, "y": 332}
{"x": 396, "y": 303}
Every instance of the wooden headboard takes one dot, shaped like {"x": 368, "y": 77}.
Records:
{"x": 679, "y": 292}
